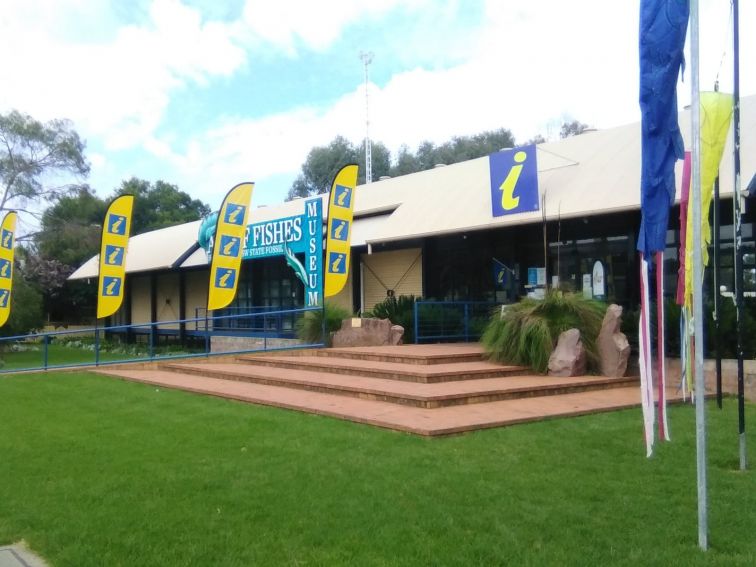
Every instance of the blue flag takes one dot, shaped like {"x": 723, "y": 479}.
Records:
{"x": 663, "y": 24}
{"x": 501, "y": 274}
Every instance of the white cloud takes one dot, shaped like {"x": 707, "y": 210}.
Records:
{"x": 117, "y": 89}
{"x": 315, "y": 25}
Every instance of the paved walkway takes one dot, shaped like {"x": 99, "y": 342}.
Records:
{"x": 421, "y": 421}
{"x": 18, "y": 555}
{"x": 371, "y": 385}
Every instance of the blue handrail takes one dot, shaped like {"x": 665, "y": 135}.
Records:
{"x": 152, "y": 329}
{"x": 450, "y": 320}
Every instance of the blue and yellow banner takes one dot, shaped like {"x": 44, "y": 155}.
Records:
{"x": 514, "y": 181}
{"x": 228, "y": 244}
{"x": 113, "y": 245}
{"x": 7, "y": 241}
{"x": 340, "y": 217}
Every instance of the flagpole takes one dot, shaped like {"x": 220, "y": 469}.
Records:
{"x": 738, "y": 233}
{"x": 697, "y": 280}
{"x": 717, "y": 311}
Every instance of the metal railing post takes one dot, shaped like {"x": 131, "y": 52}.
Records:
{"x": 152, "y": 341}
{"x": 467, "y": 322}
{"x": 45, "y": 342}
{"x": 207, "y": 336}
{"x": 97, "y": 345}
{"x": 416, "y": 308}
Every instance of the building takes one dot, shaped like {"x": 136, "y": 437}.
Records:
{"x": 434, "y": 234}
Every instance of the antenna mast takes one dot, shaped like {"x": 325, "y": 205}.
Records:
{"x": 367, "y": 58}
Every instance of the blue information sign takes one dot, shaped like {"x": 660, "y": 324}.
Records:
{"x": 514, "y": 181}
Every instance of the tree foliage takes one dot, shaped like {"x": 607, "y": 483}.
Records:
{"x": 26, "y": 313}
{"x": 70, "y": 234}
{"x": 70, "y": 228}
{"x": 572, "y": 128}
{"x": 34, "y": 159}
{"x": 323, "y": 162}
{"x": 160, "y": 204}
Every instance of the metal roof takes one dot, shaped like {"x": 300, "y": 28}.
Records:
{"x": 595, "y": 172}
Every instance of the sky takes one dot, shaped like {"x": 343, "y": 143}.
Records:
{"x": 208, "y": 93}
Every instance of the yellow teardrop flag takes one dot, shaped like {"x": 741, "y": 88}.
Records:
{"x": 228, "y": 245}
{"x": 716, "y": 112}
{"x": 116, "y": 229}
{"x": 7, "y": 241}
{"x": 340, "y": 216}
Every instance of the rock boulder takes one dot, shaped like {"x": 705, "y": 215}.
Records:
{"x": 367, "y": 332}
{"x": 568, "y": 358}
{"x": 613, "y": 348}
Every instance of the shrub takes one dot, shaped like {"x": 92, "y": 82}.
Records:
{"x": 526, "y": 333}
{"x": 400, "y": 311}
{"x": 309, "y": 328}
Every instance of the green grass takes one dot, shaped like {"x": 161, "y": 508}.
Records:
{"x": 60, "y": 355}
{"x": 98, "y": 472}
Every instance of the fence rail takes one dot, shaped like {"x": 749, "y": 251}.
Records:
{"x": 451, "y": 320}
{"x": 117, "y": 344}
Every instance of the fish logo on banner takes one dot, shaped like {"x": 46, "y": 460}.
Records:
{"x": 7, "y": 240}
{"x": 514, "y": 181}
{"x": 113, "y": 246}
{"x": 340, "y": 217}
{"x": 227, "y": 246}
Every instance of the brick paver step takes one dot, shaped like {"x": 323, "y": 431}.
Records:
{"x": 427, "y": 395}
{"x": 421, "y": 421}
{"x": 390, "y": 370}
{"x": 408, "y": 354}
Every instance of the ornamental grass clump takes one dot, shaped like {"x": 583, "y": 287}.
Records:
{"x": 309, "y": 328}
{"x": 526, "y": 332}
{"x": 400, "y": 311}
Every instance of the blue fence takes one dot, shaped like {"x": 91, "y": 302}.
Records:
{"x": 255, "y": 320}
{"x": 451, "y": 320}
{"x": 116, "y": 344}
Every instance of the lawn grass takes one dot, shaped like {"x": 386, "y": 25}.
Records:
{"x": 57, "y": 356}
{"x": 99, "y": 472}
{"x": 66, "y": 355}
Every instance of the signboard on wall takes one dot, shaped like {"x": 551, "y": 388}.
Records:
{"x": 514, "y": 181}
{"x": 291, "y": 236}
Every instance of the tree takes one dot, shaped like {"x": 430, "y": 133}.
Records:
{"x": 160, "y": 204}
{"x": 381, "y": 160}
{"x": 33, "y": 156}
{"x": 537, "y": 139}
{"x": 70, "y": 229}
{"x": 406, "y": 162}
{"x": 572, "y": 128}
{"x": 323, "y": 162}
{"x": 26, "y": 313}
{"x": 320, "y": 167}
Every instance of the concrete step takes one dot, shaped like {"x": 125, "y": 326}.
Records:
{"x": 430, "y": 373}
{"x": 421, "y": 421}
{"x": 424, "y": 395}
{"x": 409, "y": 354}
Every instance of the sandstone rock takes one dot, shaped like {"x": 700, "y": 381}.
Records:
{"x": 367, "y": 332}
{"x": 568, "y": 358}
{"x": 613, "y": 348}
{"x": 397, "y": 335}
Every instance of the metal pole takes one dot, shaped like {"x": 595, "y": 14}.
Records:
{"x": 738, "y": 233}
{"x": 97, "y": 344}
{"x": 367, "y": 58}
{"x": 715, "y": 272}
{"x": 697, "y": 280}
